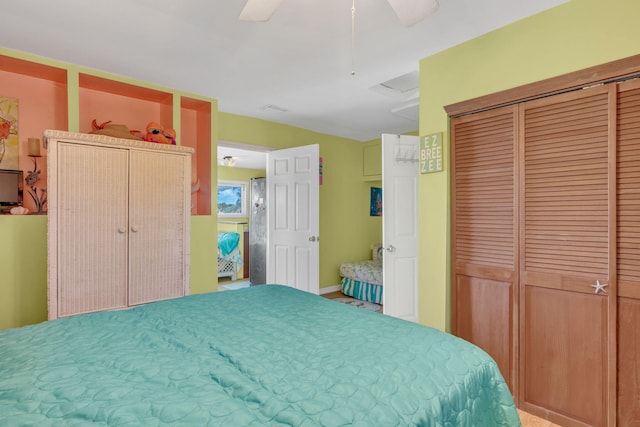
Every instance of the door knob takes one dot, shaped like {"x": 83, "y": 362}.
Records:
{"x": 390, "y": 248}
{"x": 122, "y": 230}
{"x": 312, "y": 238}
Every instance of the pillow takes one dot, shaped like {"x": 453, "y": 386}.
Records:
{"x": 227, "y": 241}
{"x": 377, "y": 252}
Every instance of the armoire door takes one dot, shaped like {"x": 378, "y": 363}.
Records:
{"x": 484, "y": 234}
{"x": 158, "y": 215}
{"x": 567, "y": 263}
{"x": 92, "y": 199}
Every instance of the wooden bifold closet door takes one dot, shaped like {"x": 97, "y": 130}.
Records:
{"x": 546, "y": 250}
{"x": 485, "y": 234}
{"x": 567, "y": 249}
{"x": 628, "y": 252}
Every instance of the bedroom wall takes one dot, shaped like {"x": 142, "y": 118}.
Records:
{"x": 344, "y": 197}
{"x": 372, "y": 224}
{"x": 344, "y": 201}
{"x": 23, "y": 270}
{"x": 570, "y": 37}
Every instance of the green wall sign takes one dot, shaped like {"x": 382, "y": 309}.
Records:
{"x": 431, "y": 153}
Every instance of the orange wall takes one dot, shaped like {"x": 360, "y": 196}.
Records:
{"x": 46, "y": 102}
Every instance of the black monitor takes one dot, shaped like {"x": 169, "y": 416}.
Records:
{"x": 11, "y": 185}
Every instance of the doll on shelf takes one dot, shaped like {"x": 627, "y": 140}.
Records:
{"x": 157, "y": 133}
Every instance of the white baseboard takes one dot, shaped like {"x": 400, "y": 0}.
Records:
{"x": 329, "y": 289}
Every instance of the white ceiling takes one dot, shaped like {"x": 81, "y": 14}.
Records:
{"x": 243, "y": 157}
{"x": 300, "y": 61}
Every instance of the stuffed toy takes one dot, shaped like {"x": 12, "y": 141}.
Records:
{"x": 157, "y": 133}
{"x": 111, "y": 129}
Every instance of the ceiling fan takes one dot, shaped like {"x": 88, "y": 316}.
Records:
{"x": 409, "y": 12}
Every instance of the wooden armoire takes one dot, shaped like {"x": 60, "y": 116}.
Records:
{"x": 546, "y": 241}
{"x": 118, "y": 222}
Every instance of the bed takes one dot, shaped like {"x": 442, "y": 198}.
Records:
{"x": 229, "y": 256}
{"x": 261, "y": 356}
{"x": 363, "y": 279}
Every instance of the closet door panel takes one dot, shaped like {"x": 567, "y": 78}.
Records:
{"x": 565, "y": 237}
{"x": 570, "y": 350}
{"x": 491, "y": 303}
{"x": 628, "y": 362}
{"x": 158, "y": 215}
{"x": 484, "y": 233}
{"x": 92, "y": 196}
{"x": 628, "y": 245}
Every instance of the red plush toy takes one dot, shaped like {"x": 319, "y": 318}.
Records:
{"x": 157, "y": 133}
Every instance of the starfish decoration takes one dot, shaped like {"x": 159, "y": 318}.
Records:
{"x": 600, "y": 287}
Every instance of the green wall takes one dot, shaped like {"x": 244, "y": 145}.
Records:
{"x": 347, "y": 232}
{"x": 23, "y": 270}
{"x": 239, "y": 174}
{"x": 570, "y": 37}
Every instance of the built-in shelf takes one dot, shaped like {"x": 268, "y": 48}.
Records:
{"x": 196, "y": 132}
{"x": 54, "y": 95}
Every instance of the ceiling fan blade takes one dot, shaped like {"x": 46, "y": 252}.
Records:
{"x": 259, "y": 10}
{"x": 411, "y": 12}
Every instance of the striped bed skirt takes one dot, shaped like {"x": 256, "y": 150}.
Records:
{"x": 362, "y": 290}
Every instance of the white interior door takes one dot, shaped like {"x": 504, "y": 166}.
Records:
{"x": 293, "y": 217}
{"x": 400, "y": 225}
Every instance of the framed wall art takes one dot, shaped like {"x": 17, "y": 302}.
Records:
{"x": 8, "y": 133}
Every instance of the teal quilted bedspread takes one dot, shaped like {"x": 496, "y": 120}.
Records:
{"x": 261, "y": 356}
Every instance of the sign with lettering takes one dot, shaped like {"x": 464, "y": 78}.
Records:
{"x": 431, "y": 153}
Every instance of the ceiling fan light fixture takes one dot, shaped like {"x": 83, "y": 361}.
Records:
{"x": 259, "y": 10}
{"x": 410, "y": 12}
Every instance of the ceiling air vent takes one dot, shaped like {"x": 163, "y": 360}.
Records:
{"x": 401, "y": 88}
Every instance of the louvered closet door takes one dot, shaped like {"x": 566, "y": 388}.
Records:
{"x": 92, "y": 198}
{"x": 158, "y": 214}
{"x": 565, "y": 335}
{"x": 628, "y": 242}
{"x": 484, "y": 233}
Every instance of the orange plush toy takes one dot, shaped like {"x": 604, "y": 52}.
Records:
{"x": 157, "y": 133}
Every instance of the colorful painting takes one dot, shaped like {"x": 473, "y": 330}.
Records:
{"x": 376, "y": 202}
{"x": 8, "y": 133}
